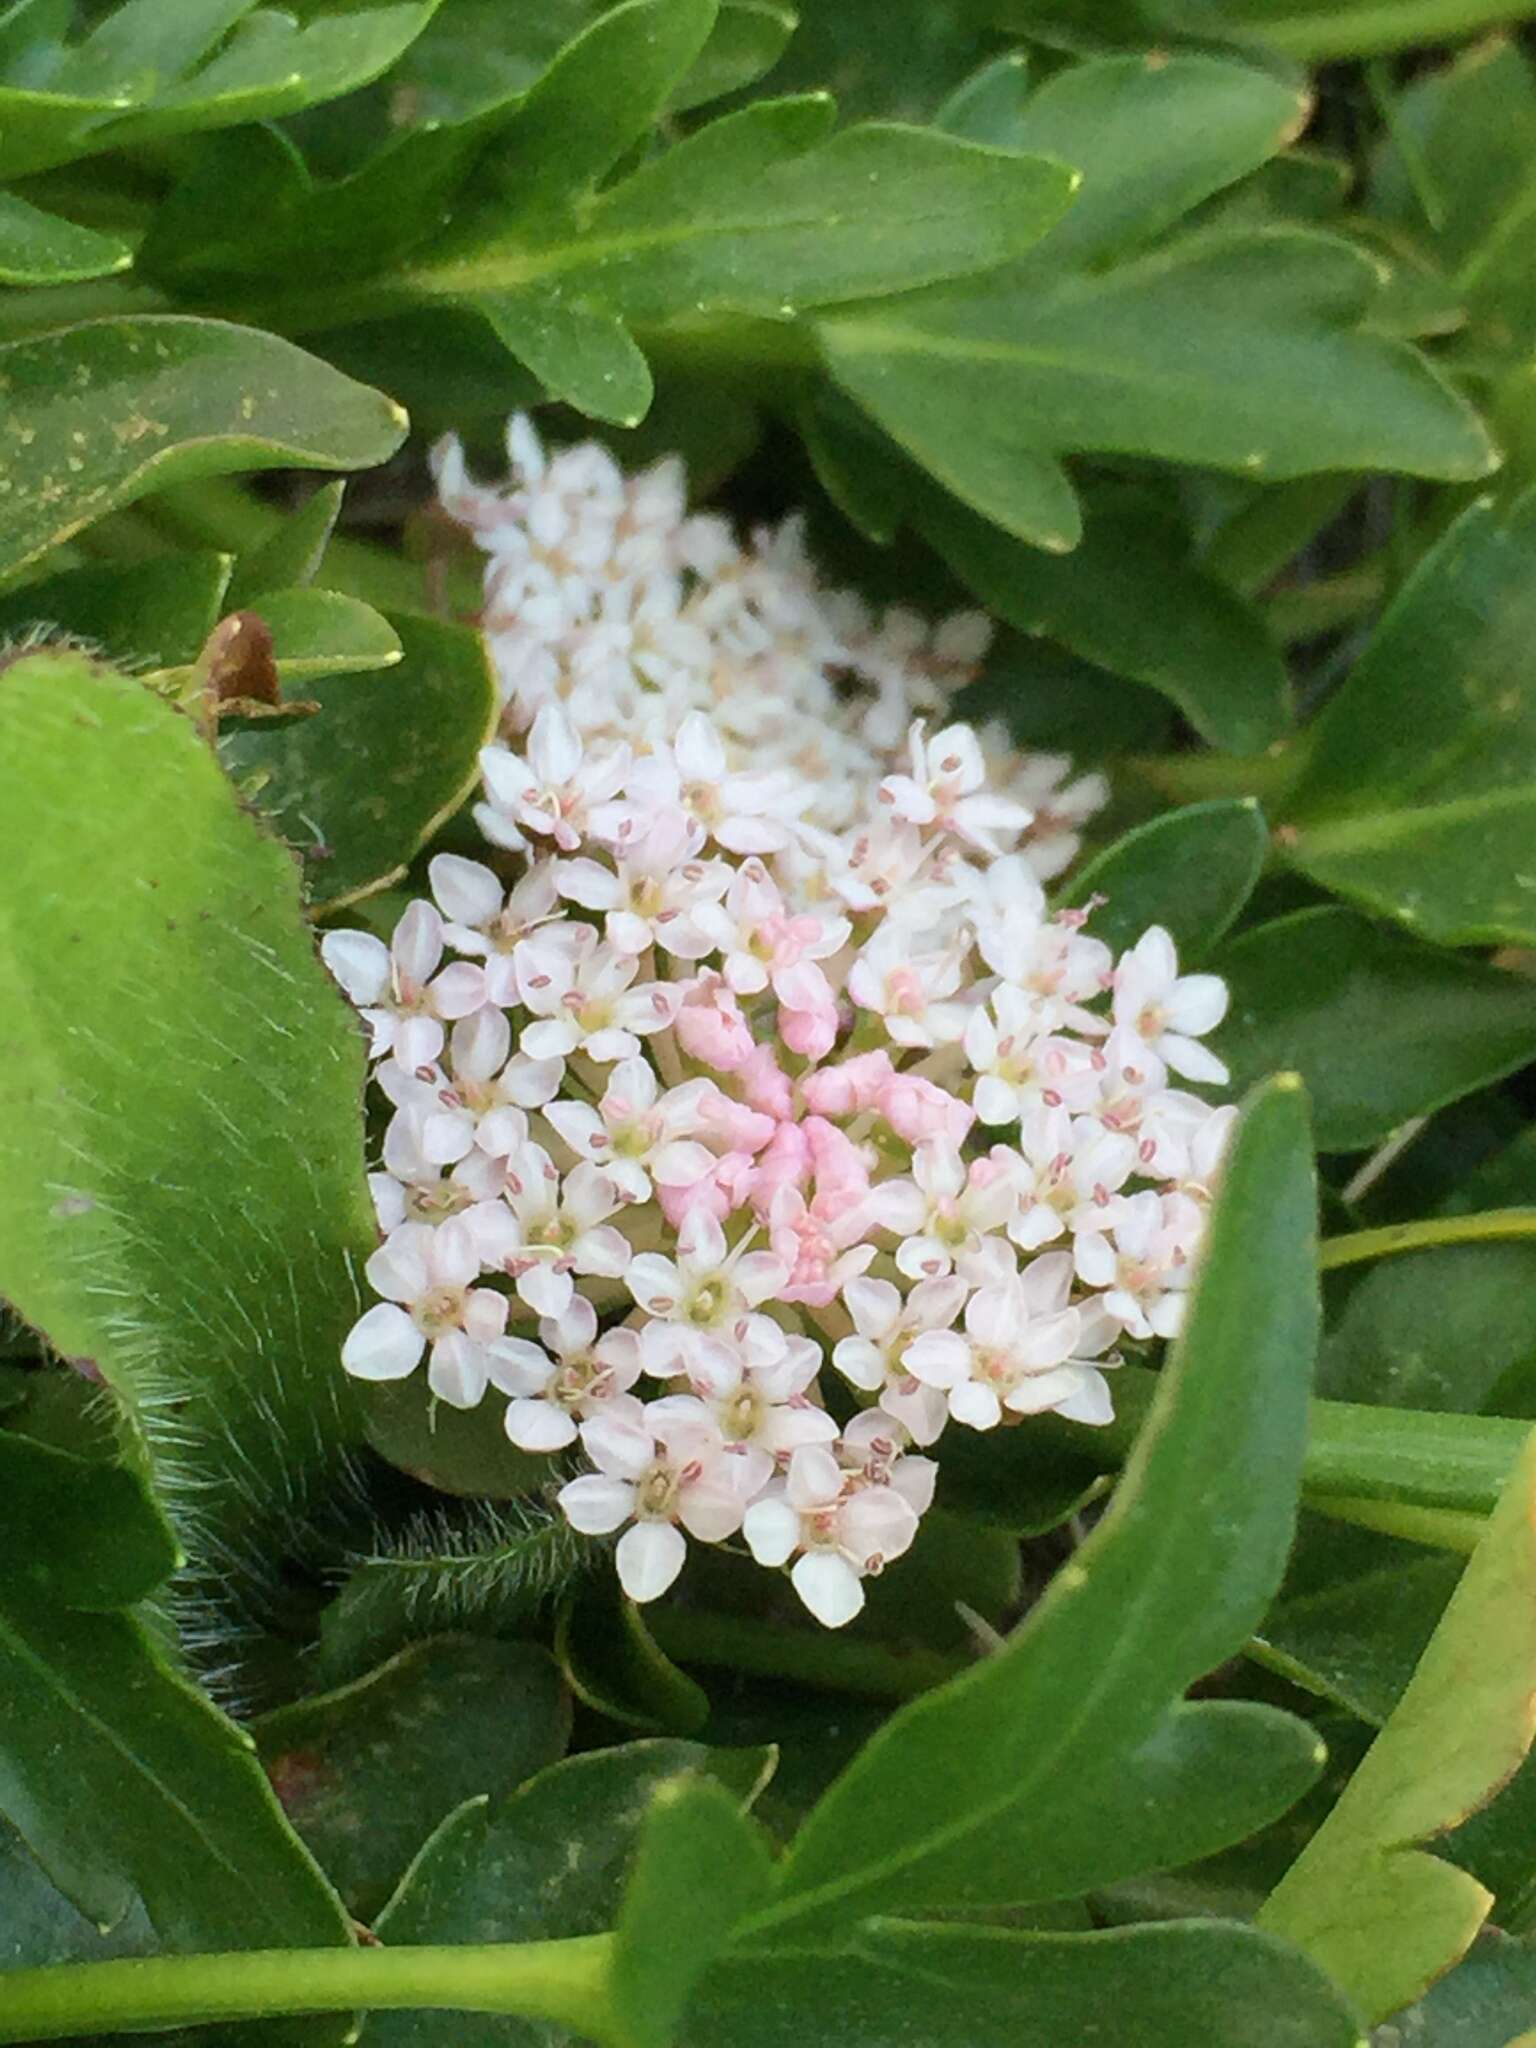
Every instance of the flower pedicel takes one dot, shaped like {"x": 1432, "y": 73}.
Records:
{"x": 769, "y": 1092}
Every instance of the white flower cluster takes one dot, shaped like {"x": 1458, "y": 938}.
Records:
{"x": 763, "y": 1054}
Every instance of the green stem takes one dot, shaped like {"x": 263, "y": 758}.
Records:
{"x": 1489, "y": 1226}
{"x": 563, "y": 1981}
{"x": 1439, "y": 1528}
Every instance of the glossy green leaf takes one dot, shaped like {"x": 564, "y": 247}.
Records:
{"x": 700, "y": 1866}
{"x": 322, "y": 633}
{"x": 360, "y": 786}
{"x": 39, "y": 1925}
{"x": 150, "y": 615}
{"x": 1451, "y": 1330}
{"x": 1486, "y": 2002}
{"x": 758, "y": 213}
{"x": 613, "y": 1665}
{"x": 1191, "y": 871}
{"x": 155, "y": 68}
{"x": 366, "y": 1773}
{"x": 1238, "y": 351}
{"x": 1029, "y": 1777}
{"x": 1355, "y": 1614}
{"x": 40, "y": 248}
{"x": 111, "y": 1549}
{"x": 1364, "y": 1899}
{"x": 97, "y": 415}
{"x": 1380, "y": 1027}
{"x": 162, "y": 1800}
{"x": 549, "y": 1861}
{"x": 292, "y": 552}
{"x": 1130, "y": 599}
{"x": 163, "y": 918}
{"x": 1153, "y": 136}
{"x": 1419, "y": 798}
{"x": 995, "y": 1987}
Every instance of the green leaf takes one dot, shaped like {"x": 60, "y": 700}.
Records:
{"x": 1191, "y": 870}
{"x": 153, "y": 614}
{"x": 1236, "y": 351}
{"x": 1153, "y": 136}
{"x": 1451, "y": 1330}
{"x": 613, "y": 1665}
{"x": 156, "y": 68}
{"x": 995, "y": 1987}
{"x": 747, "y": 39}
{"x": 40, "y": 248}
{"x": 1130, "y": 599}
{"x": 700, "y": 1866}
{"x": 1069, "y": 1759}
{"x": 360, "y": 786}
{"x": 39, "y": 1925}
{"x": 1419, "y": 798}
{"x": 1486, "y": 2002}
{"x": 97, "y": 415}
{"x": 1355, "y": 1614}
{"x": 111, "y": 1549}
{"x": 1364, "y": 1899}
{"x": 366, "y": 1773}
{"x": 490, "y": 1573}
{"x": 547, "y": 1862}
{"x": 1380, "y": 1027}
{"x": 171, "y": 1038}
{"x": 162, "y": 1800}
{"x": 291, "y": 554}
{"x": 755, "y": 214}
{"x": 990, "y": 105}
{"x": 322, "y": 633}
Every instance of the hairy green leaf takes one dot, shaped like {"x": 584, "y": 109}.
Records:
{"x": 182, "y": 1198}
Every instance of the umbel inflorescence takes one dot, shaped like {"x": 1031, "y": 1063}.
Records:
{"x": 754, "y": 1119}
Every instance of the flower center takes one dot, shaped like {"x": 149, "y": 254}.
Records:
{"x": 439, "y": 1311}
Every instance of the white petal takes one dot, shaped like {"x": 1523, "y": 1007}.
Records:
{"x": 456, "y": 1370}
{"x": 772, "y": 1530}
{"x": 539, "y": 1426}
{"x": 596, "y": 1504}
{"x": 466, "y": 891}
{"x": 829, "y": 1586}
{"x": 383, "y": 1344}
{"x": 359, "y": 961}
{"x": 649, "y": 1558}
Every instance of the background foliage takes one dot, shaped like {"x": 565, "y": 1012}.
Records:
{"x": 1195, "y": 341}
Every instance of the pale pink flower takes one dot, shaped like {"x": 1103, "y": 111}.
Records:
{"x": 1014, "y": 1351}
{"x": 946, "y": 790}
{"x": 566, "y": 1378}
{"x": 555, "y": 790}
{"x": 637, "y": 1134}
{"x": 426, "y": 1277}
{"x": 585, "y": 999}
{"x": 392, "y": 985}
{"x": 549, "y": 1228}
{"x": 1170, "y": 1013}
{"x": 843, "y": 1530}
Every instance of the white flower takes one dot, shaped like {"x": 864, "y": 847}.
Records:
{"x": 1146, "y": 1270}
{"x": 552, "y": 793}
{"x": 1014, "y": 1352}
{"x": 763, "y": 1407}
{"x": 946, "y": 790}
{"x": 910, "y": 991}
{"x": 552, "y": 1393}
{"x": 658, "y": 1466}
{"x": 636, "y": 1133}
{"x": 949, "y": 1206}
{"x": 843, "y": 1529}
{"x": 483, "y": 920}
{"x": 1021, "y": 1063}
{"x": 391, "y": 984}
{"x": 1074, "y": 1170}
{"x": 583, "y": 1000}
{"x": 874, "y": 1360}
{"x": 1169, "y": 1012}
{"x": 548, "y": 1228}
{"x": 703, "y": 1301}
{"x": 654, "y": 888}
{"x": 425, "y": 1277}
{"x": 489, "y": 1079}
{"x": 742, "y": 812}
